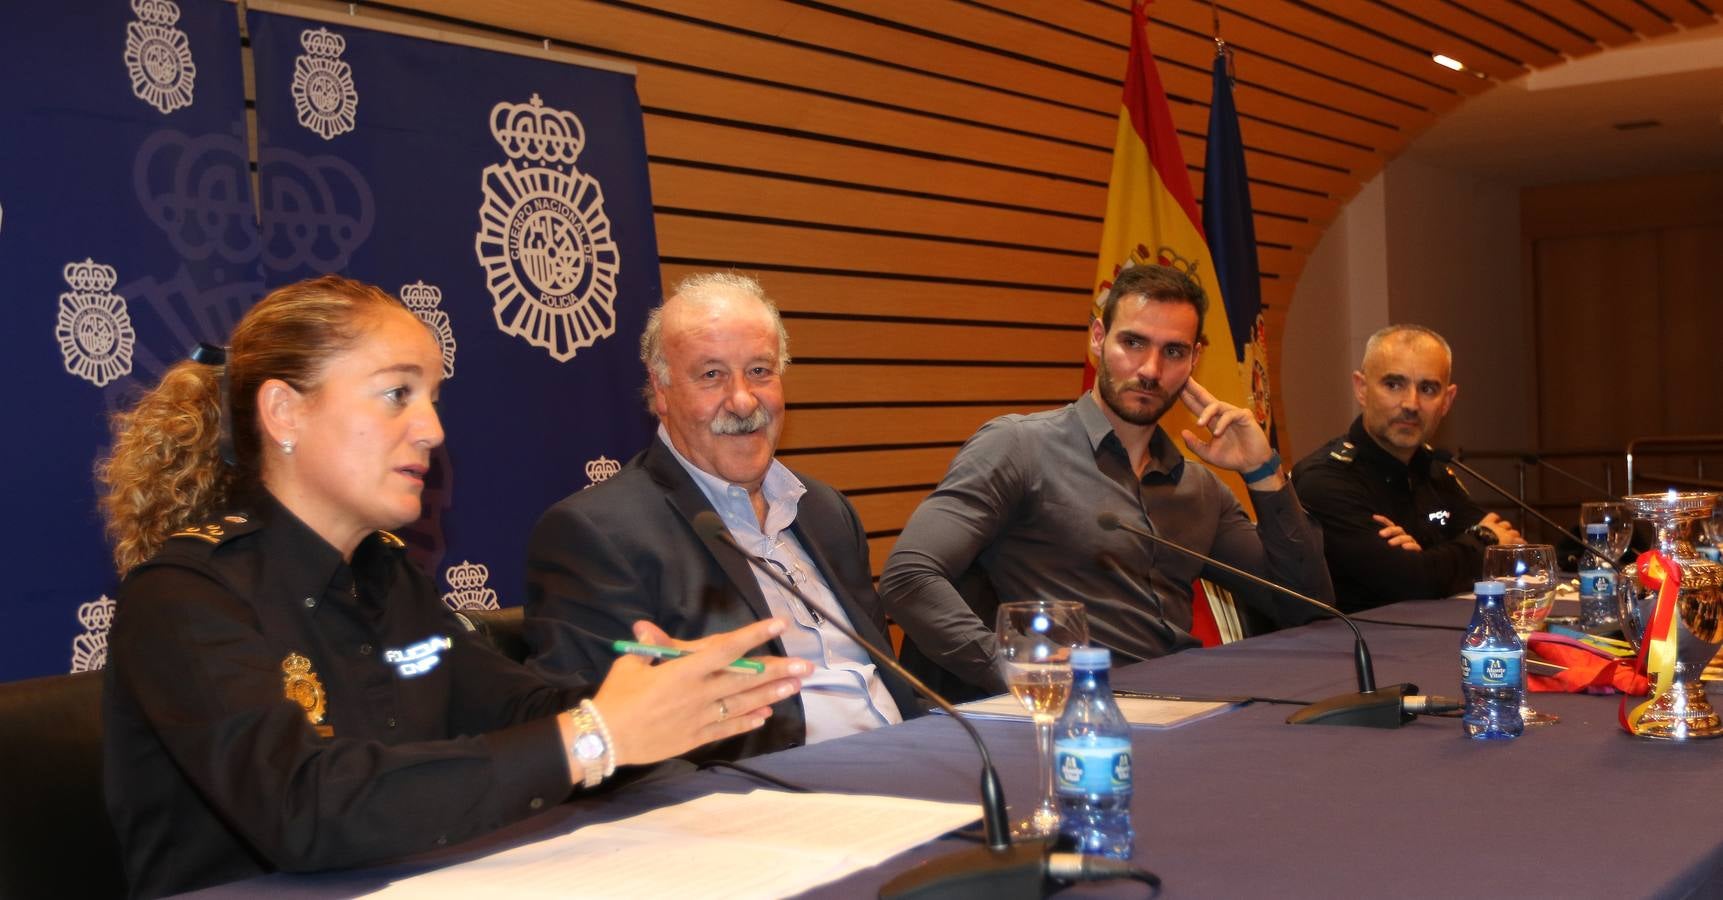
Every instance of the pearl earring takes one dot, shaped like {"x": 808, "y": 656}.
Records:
{"x": 287, "y": 447}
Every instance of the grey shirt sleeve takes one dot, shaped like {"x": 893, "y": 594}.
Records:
{"x": 971, "y": 506}
{"x": 1284, "y": 546}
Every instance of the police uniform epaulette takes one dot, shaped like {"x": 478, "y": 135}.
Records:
{"x": 219, "y": 530}
{"x": 1345, "y": 453}
{"x": 390, "y": 540}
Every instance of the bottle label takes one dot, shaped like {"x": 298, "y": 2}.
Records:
{"x": 1596, "y": 583}
{"x": 1103, "y": 767}
{"x": 1490, "y": 668}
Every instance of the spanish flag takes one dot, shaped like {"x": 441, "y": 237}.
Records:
{"x": 1152, "y": 217}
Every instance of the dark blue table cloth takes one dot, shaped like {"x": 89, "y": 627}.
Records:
{"x": 1244, "y": 805}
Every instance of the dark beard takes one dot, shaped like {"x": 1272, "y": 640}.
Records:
{"x": 1110, "y": 395}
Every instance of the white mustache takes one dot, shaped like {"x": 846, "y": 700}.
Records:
{"x": 728, "y": 423}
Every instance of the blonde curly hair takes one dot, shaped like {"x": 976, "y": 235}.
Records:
{"x": 166, "y": 470}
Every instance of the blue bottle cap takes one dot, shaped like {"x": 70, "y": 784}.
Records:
{"x": 1091, "y": 658}
{"x": 1489, "y": 587}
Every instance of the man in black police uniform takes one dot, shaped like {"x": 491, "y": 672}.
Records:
{"x": 1396, "y": 523}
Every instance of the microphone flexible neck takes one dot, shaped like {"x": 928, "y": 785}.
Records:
{"x": 993, "y": 818}
{"x": 1360, "y": 650}
{"x": 1447, "y": 457}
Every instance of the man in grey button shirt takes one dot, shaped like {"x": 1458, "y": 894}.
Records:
{"x": 1021, "y": 500}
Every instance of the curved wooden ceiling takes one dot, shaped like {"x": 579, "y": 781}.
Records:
{"x": 921, "y": 181}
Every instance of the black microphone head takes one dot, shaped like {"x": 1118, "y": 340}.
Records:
{"x": 1108, "y": 521}
{"x": 710, "y": 527}
{"x": 1441, "y": 455}
{"x": 1531, "y": 459}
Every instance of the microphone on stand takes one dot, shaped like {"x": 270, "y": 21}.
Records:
{"x": 1535, "y": 460}
{"x": 1389, "y": 707}
{"x": 1444, "y": 456}
{"x": 998, "y": 868}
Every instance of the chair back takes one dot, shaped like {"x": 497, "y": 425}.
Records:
{"x": 55, "y": 839}
{"x": 503, "y": 628}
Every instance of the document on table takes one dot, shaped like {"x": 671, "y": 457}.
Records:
{"x": 759, "y": 844}
{"x": 1146, "y": 711}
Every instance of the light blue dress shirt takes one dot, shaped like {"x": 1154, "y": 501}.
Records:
{"x": 844, "y": 694}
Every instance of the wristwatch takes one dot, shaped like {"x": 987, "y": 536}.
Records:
{"x": 592, "y": 748}
{"x": 1484, "y": 534}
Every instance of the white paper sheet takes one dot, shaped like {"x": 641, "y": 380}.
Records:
{"x": 1137, "y": 710}
{"x": 759, "y": 844}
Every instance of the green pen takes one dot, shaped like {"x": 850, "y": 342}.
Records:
{"x": 633, "y": 648}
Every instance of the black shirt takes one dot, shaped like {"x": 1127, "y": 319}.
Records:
{"x": 213, "y": 774}
{"x": 1351, "y": 478}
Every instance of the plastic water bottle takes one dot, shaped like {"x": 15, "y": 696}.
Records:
{"x": 1492, "y": 663}
{"x": 1598, "y": 612}
{"x": 1092, "y": 761}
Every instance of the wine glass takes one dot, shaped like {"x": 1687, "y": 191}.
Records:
{"x": 1035, "y": 639}
{"x": 1618, "y": 526}
{"x": 1527, "y": 568}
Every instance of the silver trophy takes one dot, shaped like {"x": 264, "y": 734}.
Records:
{"x": 1680, "y": 711}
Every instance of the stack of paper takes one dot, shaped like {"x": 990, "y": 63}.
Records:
{"x": 760, "y": 844}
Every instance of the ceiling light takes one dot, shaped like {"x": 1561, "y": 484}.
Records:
{"x": 1448, "y": 62}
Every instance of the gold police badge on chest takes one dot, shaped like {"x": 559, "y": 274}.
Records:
{"x": 300, "y": 684}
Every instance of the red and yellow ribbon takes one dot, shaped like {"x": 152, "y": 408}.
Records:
{"x": 1656, "y": 658}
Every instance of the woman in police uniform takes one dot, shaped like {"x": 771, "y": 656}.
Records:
{"x": 285, "y": 691}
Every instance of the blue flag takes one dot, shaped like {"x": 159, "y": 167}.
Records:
{"x": 1231, "y": 230}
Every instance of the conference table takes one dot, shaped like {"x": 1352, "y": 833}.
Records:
{"x": 1244, "y": 805}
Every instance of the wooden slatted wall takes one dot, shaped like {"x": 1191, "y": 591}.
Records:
{"x": 919, "y": 183}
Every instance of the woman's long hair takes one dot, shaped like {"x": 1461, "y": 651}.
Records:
{"x": 167, "y": 471}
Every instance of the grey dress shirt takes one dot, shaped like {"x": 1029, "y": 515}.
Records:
{"x": 1021, "y": 501}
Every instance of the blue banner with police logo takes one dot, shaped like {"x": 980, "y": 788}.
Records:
{"x": 127, "y": 235}
{"x": 505, "y": 199}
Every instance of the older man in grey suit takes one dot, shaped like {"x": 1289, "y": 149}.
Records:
{"x": 630, "y": 548}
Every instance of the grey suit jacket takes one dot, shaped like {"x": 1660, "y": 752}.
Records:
{"x": 626, "y": 549}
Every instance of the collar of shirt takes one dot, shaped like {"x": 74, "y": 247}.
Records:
{"x": 1371, "y": 454}
{"x": 313, "y": 567}
{"x": 844, "y": 694}
{"x": 1165, "y": 459}
{"x": 783, "y": 491}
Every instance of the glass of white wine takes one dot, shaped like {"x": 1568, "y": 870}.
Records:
{"x": 1528, "y": 572}
{"x": 1035, "y": 640}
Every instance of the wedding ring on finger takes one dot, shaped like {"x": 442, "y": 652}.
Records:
{"x": 723, "y": 711}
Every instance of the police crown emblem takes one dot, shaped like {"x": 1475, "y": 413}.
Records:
{"x": 601, "y": 469}
{"x": 158, "y": 56}
{"x": 94, "y": 329}
{"x": 423, "y": 299}
{"x": 90, "y": 649}
{"x": 550, "y": 260}
{"x": 323, "y": 93}
{"x": 470, "y": 591}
